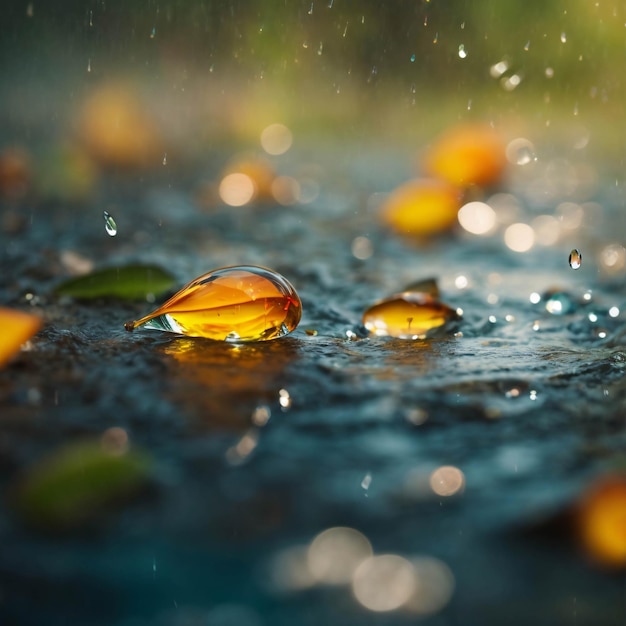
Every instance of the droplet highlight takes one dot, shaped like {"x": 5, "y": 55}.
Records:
{"x": 235, "y": 304}
{"x": 109, "y": 224}
{"x": 575, "y": 259}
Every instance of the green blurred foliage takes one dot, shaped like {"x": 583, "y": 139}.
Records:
{"x": 128, "y": 282}
{"x": 77, "y": 484}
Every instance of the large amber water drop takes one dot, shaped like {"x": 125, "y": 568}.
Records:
{"x": 408, "y": 315}
{"x": 237, "y": 304}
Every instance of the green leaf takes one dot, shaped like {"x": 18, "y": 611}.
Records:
{"x": 128, "y": 282}
{"x": 77, "y": 484}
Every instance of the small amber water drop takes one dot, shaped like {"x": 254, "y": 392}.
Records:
{"x": 575, "y": 259}
{"x": 236, "y": 304}
{"x": 408, "y": 315}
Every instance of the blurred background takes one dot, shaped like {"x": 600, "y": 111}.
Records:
{"x": 331, "y": 476}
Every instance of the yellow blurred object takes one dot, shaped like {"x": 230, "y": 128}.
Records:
{"x": 116, "y": 129}
{"x": 602, "y": 522}
{"x": 17, "y": 327}
{"x": 422, "y": 207}
{"x": 470, "y": 154}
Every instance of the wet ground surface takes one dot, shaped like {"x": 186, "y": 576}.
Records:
{"x": 527, "y": 404}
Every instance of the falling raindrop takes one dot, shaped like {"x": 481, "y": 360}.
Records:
{"x": 527, "y": 46}
{"x": 153, "y": 32}
{"x": 236, "y": 304}
{"x": 320, "y": 49}
{"x": 89, "y": 65}
{"x": 165, "y": 159}
{"x": 462, "y": 52}
{"x": 30, "y": 10}
{"x": 436, "y": 39}
{"x": 575, "y": 259}
{"x": 311, "y": 9}
{"x": 563, "y": 37}
{"x": 413, "y": 58}
{"x": 367, "y": 481}
{"x": 109, "y": 224}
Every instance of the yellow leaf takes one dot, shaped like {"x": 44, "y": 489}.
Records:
{"x": 17, "y": 327}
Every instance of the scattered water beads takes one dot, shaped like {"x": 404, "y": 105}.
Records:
{"x": 109, "y": 224}
{"x": 575, "y": 259}
{"x": 408, "y": 315}
{"x": 234, "y": 304}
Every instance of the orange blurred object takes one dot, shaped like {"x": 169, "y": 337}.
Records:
{"x": 15, "y": 172}
{"x": 17, "y": 327}
{"x": 258, "y": 171}
{"x": 116, "y": 129}
{"x": 602, "y": 521}
{"x": 422, "y": 207}
{"x": 470, "y": 154}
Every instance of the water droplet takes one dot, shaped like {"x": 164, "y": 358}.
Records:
{"x": 320, "y": 49}
{"x": 109, "y": 224}
{"x": 462, "y": 52}
{"x": 527, "y": 46}
{"x": 436, "y": 39}
{"x": 412, "y": 58}
{"x": 558, "y": 302}
{"x": 367, "y": 481}
{"x": 91, "y": 19}
{"x": 311, "y": 9}
{"x": 549, "y": 72}
{"x": 330, "y": 4}
{"x": 520, "y": 151}
{"x": 511, "y": 82}
{"x": 89, "y": 65}
{"x": 499, "y": 68}
{"x": 408, "y": 315}
{"x": 165, "y": 159}
{"x": 30, "y": 11}
{"x": 153, "y": 32}
{"x": 237, "y": 304}
{"x": 575, "y": 259}
{"x": 563, "y": 37}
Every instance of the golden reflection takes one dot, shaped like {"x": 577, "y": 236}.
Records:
{"x": 228, "y": 385}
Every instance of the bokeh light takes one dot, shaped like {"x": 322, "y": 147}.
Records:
{"x": 384, "y": 583}
{"x": 335, "y": 554}
{"x": 434, "y": 588}
{"x": 276, "y": 139}
{"x": 447, "y": 480}
{"x": 362, "y": 248}
{"x": 237, "y": 189}
{"x": 115, "y": 441}
{"x": 519, "y": 237}
{"x": 477, "y": 218}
